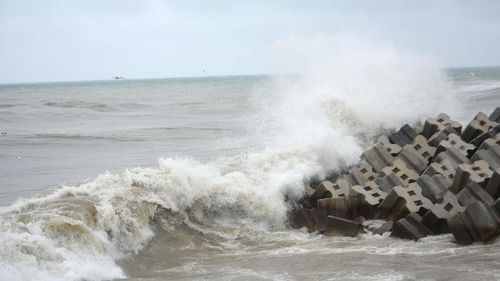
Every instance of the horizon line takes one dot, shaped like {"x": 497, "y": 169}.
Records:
{"x": 111, "y": 79}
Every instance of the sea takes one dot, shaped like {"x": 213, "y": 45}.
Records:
{"x": 194, "y": 178}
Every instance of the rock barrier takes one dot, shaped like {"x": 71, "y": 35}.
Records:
{"x": 423, "y": 180}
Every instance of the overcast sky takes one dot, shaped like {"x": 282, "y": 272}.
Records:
{"x": 85, "y": 40}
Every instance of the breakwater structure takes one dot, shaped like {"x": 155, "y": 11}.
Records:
{"x": 422, "y": 180}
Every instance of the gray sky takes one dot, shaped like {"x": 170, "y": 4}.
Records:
{"x": 82, "y": 40}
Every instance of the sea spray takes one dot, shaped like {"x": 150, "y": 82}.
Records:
{"x": 345, "y": 91}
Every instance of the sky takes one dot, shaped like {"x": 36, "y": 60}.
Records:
{"x": 57, "y": 40}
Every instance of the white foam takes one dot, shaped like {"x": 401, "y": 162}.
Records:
{"x": 349, "y": 90}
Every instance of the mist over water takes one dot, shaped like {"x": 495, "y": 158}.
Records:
{"x": 234, "y": 152}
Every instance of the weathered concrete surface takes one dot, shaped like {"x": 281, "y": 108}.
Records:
{"x": 474, "y": 192}
{"x": 455, "y": 141}
{"x": 410, "y": 227}
{"x": 434, "y": 125}
{"x": 479, "y": 172}
{"x": 479, "y": 222}
{"x": 400, "y": 169}
{"x": 495, "y": 115}
{"x": 307, "y": 218}
{"x": 436, "y": 219}
{"x": 360, "y": 174}
{"x": 433, "y": 187}
{"x": 387, "y": 183}
{"x": 440, "y": 136}
{"x": 479, "y": 125}
{"x": 422, "y": 184}
{"x": 370, "y": 196}
{"x": 404, "y": 136}
{"x": 348, "y": 208}
{"x": 413, "y": 160}
{"x": 404, "y": 200}
{"x": 491, "y": 155}
{"x": 420, "y": 147}
{"x": 453, "y": 155}
{"x": 378, "y": 157}
{"x": 493, "y": 187}
{"x": 444, "y": 168}
{"x": 335, "y": 226}
{"x": 391, "y": 148}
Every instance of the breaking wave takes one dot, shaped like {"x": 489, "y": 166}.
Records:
{"x": 345, "y": 92}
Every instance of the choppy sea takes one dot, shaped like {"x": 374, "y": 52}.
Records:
{"x": 192, "y": 178}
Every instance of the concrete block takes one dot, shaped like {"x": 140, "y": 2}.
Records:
{"x": 458, "y": 226}
{"x": 391, "y": 148}
{"x": 404, "y": 200}
{"x": 478, "y": 126}
{"x": 435, "y": 139}
{"x": 421, "y": 148}
{"x": 436, "y": 219}
{"x": 370, "y": 196}
{"x": 478, "y": 172}
{"x": 497, "y": 205}
{"x": 434, "y": 125}
{"x": 491, "y": 133}
{"x": 433, "y": 187}
{"x": 455, "y": 141}
{"x": 386, "y": 183}
{"x": 495, "y": 115}
{"x": 493, "y": 187}
{"x": 305, "y": 218}
{"x": 478, "y": 223}
{"x": 453, "y": 155}
{"x": 335, "y": 225}
{"x": 404, "y": 136}
{"x": 413, "y": 160}
{"x": 410, "y": 227}
{"x": 323, "y": 190}
{"x": 400, "y": 169}
{"x": 360, "y": 174}
{"x": 378, "y": 157}
{"x": 444, "y": 168}
{"x": 491, "y": 155}
{"x": 348, "y": 208}
{"x": 473, "y": 192}
{"x": 489, "y": 142}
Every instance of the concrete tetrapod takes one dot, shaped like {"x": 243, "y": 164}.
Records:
{"x": 433, "y": 187}
{"x": 404, "y": 136}
{"x": 478, "y": 172}
{"x": 335, "y": 225}
{"x": 370, "y": 196}
{"x": 410, "y": 227}
{"x": 378, "y": 157}
{"x": 400, "y": 169}
{"x": 478, "y": 126}
{"x": 420, "y": 147}
{"x": 453, "y": 155}
{"x": 404, "y": 200}
{"x": 455, "y": 141}
{"x": 479, "y": 222}
{"x": 491, "y": 155}
{"x": 445, "y": 168}
{"x": 434, "y": 125}
{"x": 436, "y": 219}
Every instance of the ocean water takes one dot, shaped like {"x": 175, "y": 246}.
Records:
{"x": 193, "y": 178}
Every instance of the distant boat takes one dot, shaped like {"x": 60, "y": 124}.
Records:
{"x": 118, "y": 77}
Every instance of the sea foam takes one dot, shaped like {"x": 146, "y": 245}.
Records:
{"x": 343, "y": 92}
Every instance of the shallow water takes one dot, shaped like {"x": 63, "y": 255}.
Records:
{"x": 236, "y": 151}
